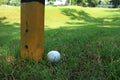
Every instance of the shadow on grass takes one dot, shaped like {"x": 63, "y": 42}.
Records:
{"x": 112, "y": 20}
{"x": 86, "y": 51}
{"x": 89, "y": 46}
{"x": 9, "y": 37}
{"x": 77, "y": 15}
{"x": 90, "y": 51}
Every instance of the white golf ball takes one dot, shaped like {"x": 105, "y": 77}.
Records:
{"x": 53, "y": 56}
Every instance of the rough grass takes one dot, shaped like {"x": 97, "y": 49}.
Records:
{"x": 87, "y": 38}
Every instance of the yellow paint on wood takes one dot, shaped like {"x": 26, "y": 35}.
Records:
{"x": 32, "y": 30}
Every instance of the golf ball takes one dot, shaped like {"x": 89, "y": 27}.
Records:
{"x": 53, "y": 56}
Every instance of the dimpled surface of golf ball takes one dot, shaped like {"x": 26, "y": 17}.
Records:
{"x": 53, "y": 56}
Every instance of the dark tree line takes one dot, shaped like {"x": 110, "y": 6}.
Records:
{"x": 89, "y": 3}
{"x": 10, "y": 2}
{"x": 115, "y": 3}
{"x": 93, "y": 3}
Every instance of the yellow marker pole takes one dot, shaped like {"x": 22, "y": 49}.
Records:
{"x": 32, "y": 29}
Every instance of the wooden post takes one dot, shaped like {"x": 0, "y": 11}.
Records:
{"x": 32, "y": 29}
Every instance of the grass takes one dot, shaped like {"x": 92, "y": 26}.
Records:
{"x": 87, "y": 38}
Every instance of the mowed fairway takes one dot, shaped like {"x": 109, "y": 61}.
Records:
{"x": 87, "y": 38}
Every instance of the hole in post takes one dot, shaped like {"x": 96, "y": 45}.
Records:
{"x": 26, "y": 27}
{"x": 26, "y": 46}
{"x": 26, "y": 30}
